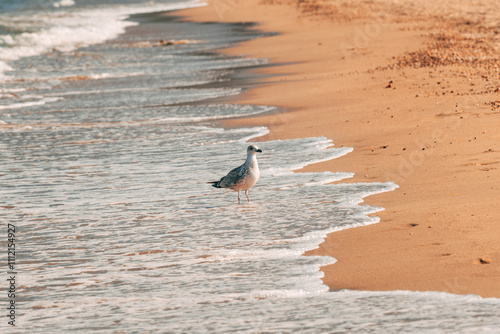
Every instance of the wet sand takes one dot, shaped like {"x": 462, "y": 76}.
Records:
{"x": 414, "y": 89}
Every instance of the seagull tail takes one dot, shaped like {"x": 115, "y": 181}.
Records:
{"x": 215, "y": 184}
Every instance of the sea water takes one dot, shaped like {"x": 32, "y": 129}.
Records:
{"x": 107, "y": 141}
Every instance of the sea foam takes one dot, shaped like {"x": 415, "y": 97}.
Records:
{"x": 65, "y": 30}
{"x": 63, "y": 3}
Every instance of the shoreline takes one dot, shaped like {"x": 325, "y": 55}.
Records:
{"x": 351, "y": 76}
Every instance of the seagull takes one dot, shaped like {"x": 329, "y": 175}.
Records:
{"x": 243, "y": 177}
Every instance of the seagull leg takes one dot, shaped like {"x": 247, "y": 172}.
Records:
{"x": 239, "y": 198}
{"x": 246, "y": 193}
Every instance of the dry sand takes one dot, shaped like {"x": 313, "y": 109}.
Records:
{"x": 414, "y": 89}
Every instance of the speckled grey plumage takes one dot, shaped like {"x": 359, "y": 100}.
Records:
{"x": 243, "y": 177}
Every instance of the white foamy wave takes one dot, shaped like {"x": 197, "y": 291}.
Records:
{"x": 12, "y": 90}
{"x": 261, "y": 131}
{"x": 206, "y": 118}
{"x": 29, "y": 103}
{"x": 64, "y": 3}
{"x": 65, "y": 31}
{"x": 100, "y": 76}
{"x": 336, "y": 154}
{"x": 66, "y": 34}
{"x": 284, "y": 294}
{"x": 238, "y": 255}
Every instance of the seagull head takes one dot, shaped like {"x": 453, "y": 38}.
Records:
{"x": 253, "y": 150}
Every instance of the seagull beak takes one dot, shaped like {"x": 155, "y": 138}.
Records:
{"x": 259, "y": 150}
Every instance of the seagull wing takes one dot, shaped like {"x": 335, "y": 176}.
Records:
{"x": 233, "y": 177}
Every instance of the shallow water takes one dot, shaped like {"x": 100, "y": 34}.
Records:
{"x": 106, "y": 151}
